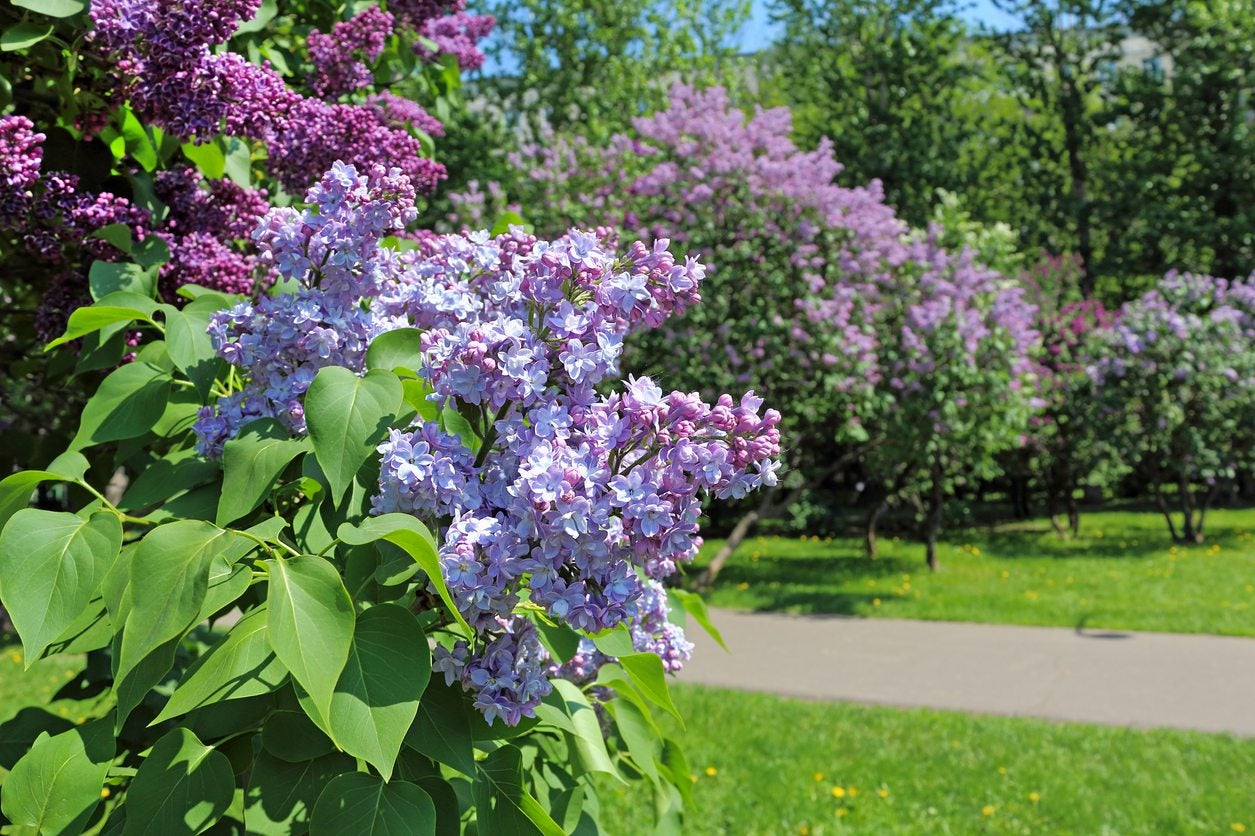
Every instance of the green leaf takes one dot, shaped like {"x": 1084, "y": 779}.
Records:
{"x": 588, "y": 745}
{"x": 16, "y": 490}
{"x": 616, "y": 642}
{"x": 410, "y": 534}
{"x": 456, "y": 424}
{"x": 56, "y": 786}
{"x": 640, "y": 735}
{"x": 138, "y": 143}
{"x": 696, "y": 607}
{"x": 442, "y": 730}
{"x": 51, "y": 564}
{"x": 265, "y": 14}
{"x": 291, "y": 736}
{"x": 281, "y": 795}
{"x": 119, "y": 235}
{"x": 116, "y": 308}
{"x": 239, "y": 162}
{"x": 169, "y": 476}
{"x": 251, "y": 463}
{"x": 505, "y": 221}
{"x": 310, "y": 624}
{"x": 53, "y": 8}
{"x": 191, "y": 349}
{"x": 106, "y": 278}
{"x": 377, "y": 696}
{"x": 503, "y": 804}
{"x": 347, "y": 416}
{"x": 364, "y": 805}
{"x": 415, "y": 393}
{"x": 396, "y": 349}
{"x": 24, "y": 35}
{"x": 208, "y": 157}
{"x": 168, "y": 585}
{"x": 241, "y": 665}
{"x": 646, "y": 673}
{"x": 182, "y": 787}
{"x": 127, "y": 404}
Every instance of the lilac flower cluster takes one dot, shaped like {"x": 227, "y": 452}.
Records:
{"x": 566, "y": 495}
{"x": 338, "y": 69}
{"x": 652, "y": 632}
{"x": 162, "y": 53}
{"x": 457, "y": 35}
{"x": 208, "y": 229}
{"x": 21, "y": 154}
{"x": 399, "y": 112}
{"x": 332, "y": 252}
{"x": 509, "y": 676}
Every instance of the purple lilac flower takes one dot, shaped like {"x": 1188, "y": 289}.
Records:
{"x": 578, "y": 499}
{"x": 337, "y": 67}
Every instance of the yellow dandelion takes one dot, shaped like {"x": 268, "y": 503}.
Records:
{"x": 1238, "y": 827}
{"x": 988, "y": 810}
{"x": 875, "y": 602}
{"x": 711, "y": 772}
{"x": 1250, "y": 588}
{"x": 15, "y": 657}
{"x": 804, "y": 830}
{"x": 842, "y": 812}
{"x": 693, "y": 778}
{"x": 853, "y": 792}
{"x": 838, "y": 792}
{"x": 1005, "y": 574}
{"x": 819, "y": 776}
{"x": 883, "y": 792}
{"x": 742, "y": 586}
{"x": 104, "y": 792}
{"x": 976, "y": 551}
{"x": 1034, "y": 797}
{"x": 1002, "y": 770}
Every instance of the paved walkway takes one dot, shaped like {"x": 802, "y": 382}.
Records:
{"x": 1098, "y": 676}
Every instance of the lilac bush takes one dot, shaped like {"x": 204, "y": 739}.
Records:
{"x": 817, "y": 295}
{"x": 1175, "y": 380}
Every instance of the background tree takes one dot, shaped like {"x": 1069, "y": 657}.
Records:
{"x": 1175, "y": 379}
{"x": 598, "y": 63}
{"x": 1055, "y": 62}
{"x": 886, "y": 83}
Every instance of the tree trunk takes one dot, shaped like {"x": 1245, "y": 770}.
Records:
{"x": 1074, "y": 514}
{"x": 1166, "y": 511}
{"x": 873, "y": 517}
{"x": 933, "y": 524}
{"x": 1052, "y": 510}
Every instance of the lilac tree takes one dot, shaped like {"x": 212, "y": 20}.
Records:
{"x": 812, "y": 291}
{"x": 1175, "y": 377}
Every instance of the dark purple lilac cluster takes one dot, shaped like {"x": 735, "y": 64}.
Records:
{"x": 21, "y": 154}
{"x": 567, "y": 495}
{"x": 162, "y": 52}
{"x": 340, "y": 57}
{"x": 208, "y": 229}
{"x": 398, "y": 112}
{"x": 458, "y": 35}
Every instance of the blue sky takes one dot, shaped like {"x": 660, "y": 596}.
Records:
{"x": 759, "y": 32}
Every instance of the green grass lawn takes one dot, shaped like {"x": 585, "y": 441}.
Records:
{"x": 767, "y": 765}
{"x": 1122, "y": 572}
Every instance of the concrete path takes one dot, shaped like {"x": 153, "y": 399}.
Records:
{"x": 1097, "y": 676}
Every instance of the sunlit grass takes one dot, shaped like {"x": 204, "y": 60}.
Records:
{"x": 1121, "y": 573}
{"x": 768, "y": 765}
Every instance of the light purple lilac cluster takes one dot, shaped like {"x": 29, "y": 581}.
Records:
{"x": 340, "y": 57}
{"x": 509, "y": 675}
{"x": 652, "y": 632}
{"x": 331, "y": 250}
{"x": 569, "y": 494}
{"x": 163, "y": 54}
